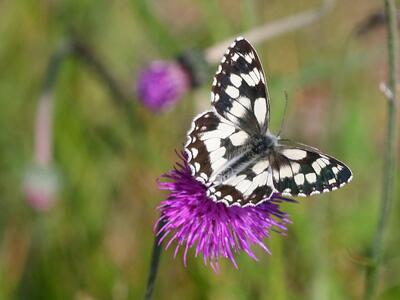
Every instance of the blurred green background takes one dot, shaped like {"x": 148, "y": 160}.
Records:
{"x": 96, "y": 241}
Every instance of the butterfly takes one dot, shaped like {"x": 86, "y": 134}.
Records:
{"x": 231, "y": 150}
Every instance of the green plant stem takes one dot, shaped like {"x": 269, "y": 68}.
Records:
{"x": 155, "y": 260}
{"x": 120, "y": 96}
{"x": 271, "y": 29}
{"x": 44, "y": 114}
{"x": 84, "y": 53}
{"x": 388, "y": 184}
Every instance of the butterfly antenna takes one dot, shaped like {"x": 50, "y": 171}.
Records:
{"x": 284, "y": 114}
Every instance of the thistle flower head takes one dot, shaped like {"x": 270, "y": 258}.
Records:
{"x": 161, "y": 84}
{"x": 192, "y": 220}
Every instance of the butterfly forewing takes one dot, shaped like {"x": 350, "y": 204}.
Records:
{"x": 239, "y": 92}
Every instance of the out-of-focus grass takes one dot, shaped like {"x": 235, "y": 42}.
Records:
{"x": 96, "y": 242}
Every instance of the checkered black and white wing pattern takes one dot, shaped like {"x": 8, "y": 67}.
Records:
{"x": 250, "y": 186}
{"x": 218, "y": 158}
{"x": 239, "y": 93}
{"x": 213, "y": 143}
{"x": 300, "y": 170}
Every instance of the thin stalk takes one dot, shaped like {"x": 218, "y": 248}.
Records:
{"x": 155, "y": 260}
{"x": 120, "y": 96}
{"x": 44, "y": 114}
{"x": 272, "y": 29}
{"x": 389, "y": 171}
{"x": 87, "y": 56}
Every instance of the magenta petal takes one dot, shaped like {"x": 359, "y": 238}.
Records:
{"x": 215, "y": 231}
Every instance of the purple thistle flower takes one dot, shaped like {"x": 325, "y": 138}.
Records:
{"x": 161, "y": 84}
{"x": 193, "y": 220}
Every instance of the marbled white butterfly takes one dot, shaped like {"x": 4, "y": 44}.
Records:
{"x": 231, "y": 150}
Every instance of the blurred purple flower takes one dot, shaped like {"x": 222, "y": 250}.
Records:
{"x": 193, "y": 220}
{"x": 161, "y": 84}
{"x": 41, "y": 184}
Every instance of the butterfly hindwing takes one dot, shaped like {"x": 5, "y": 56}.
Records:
{"x": 249, "y": 186}
{"x": 239, "y": 91}
{"x": 304, "y": 171}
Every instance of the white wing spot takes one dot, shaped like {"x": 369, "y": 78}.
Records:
{"x": 326, "y": 161}
{"x": 260, "y": 110}
{"x": 295, "y": 167}
{"x": 295, "y": 154}
{"x": 204, "y": 175}
{"x": 194, "y": 152}
{"x": 262, "y": 77}
{"x": 218, "y": 164}
{"x": 236, "y": 80}
{"x": 237, "y": 109}
{"x": 238, "y": 138}
{"x": 248, "y": 58}
{"x": 254, "y": 76}
{"x": 316, "y": 167}
{"x": 217, "y": 154}
{"x": 311, "y": 177}
{"x": 257, "y": 74}
{"x": 285, "y": 171}
{"x": 228, "y": 198}
{"x": 261, "y": 179}
{"x": 321, "y": 162}
{"x": 299, "y": 179}
{"x": 212, "y": 144}
{"x": 222, "y": 132}
{"x": 260, "y": 166}
{"x": 248, "y": 79}
{"x": 245, "y": 102}
{"x": 232, "y": 91}
{"x": 243, "y": 185}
